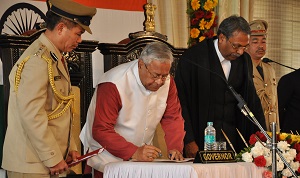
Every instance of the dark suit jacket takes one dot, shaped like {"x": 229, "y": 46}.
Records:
{"x": 289, "y": 101}
{"x": 204, "y": 95}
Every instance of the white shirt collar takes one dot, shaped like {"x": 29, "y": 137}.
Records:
{"x": 221, "y": 58}
{"x": 226, "y": 64}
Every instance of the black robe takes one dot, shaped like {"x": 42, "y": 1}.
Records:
{"x": 289, "y": 102}
{"x": 204, "y": 95}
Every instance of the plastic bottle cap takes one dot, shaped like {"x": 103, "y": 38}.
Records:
{"x": 209, "y": 123}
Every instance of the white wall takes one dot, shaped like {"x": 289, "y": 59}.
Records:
{"x": 108, "y": 26}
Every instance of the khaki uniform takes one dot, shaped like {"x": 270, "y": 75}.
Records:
{"x": 39, "y": 130}
{"x": 267, "y": 92}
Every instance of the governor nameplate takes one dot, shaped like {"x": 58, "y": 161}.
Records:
{"x": 223, "y": 156}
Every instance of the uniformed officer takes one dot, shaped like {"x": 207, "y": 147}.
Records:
{"x": 263, "y": 73}
{"x": 38, "y": 142}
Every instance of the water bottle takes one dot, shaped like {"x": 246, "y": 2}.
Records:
{"x": 209, "y": 136}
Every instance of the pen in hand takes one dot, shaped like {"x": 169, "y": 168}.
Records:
{"x": 159, "y": 153}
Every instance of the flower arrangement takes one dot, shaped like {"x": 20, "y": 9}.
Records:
{"x": 202, "y": 19}
{"x": 259, "y": 153}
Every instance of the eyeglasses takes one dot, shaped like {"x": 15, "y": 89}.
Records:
{"x": 156, "y": 77}
{"x": 238, "y": 47}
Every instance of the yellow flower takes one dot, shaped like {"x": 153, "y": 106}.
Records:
{"x": 295, "y": 138}
{"x": 209, "y": 24}
{"x": 195, "y": 4}
{"x": 282, "y": 136}
{"x": 215, "y": 3}
{"x": 201, "y": 38}
{"x": 208, "y": 5}
{"x": 202, "y": 24}
{"x": 201, "y": 28}
{"x": 194, "y": 33}
{"x": 213, "y": 15}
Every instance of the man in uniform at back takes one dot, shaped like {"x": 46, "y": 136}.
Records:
{"x": 263, "y": 73}
{"x": 38, "y": 141}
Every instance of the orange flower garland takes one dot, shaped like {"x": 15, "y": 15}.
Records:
{"x": 202, "y": 19}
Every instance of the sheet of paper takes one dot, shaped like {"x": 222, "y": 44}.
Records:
{"x": 168, "y": 160}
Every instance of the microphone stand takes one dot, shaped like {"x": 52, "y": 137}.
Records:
{"x": 246, "y": 111}
{"x": 274, "y": 147}
{"x": 269, "y": 60}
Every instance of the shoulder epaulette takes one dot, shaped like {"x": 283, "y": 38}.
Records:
{"x": 40, "y": 51}
{"x": 20, "y": 66}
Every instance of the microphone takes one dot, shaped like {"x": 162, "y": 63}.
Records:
{"x": 267, "y": 60}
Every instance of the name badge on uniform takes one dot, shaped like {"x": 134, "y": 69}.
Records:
{"x": 57, "y": 78}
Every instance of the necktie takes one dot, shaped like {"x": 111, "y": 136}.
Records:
{"x": 260, "y": 71}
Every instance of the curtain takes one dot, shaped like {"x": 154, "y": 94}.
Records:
{"x": 171, "y": 20}
{"x": 283, "y": 32}
{"x": 243, "y": 8}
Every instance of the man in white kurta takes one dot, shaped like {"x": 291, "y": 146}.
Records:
{"x": 129, "y": 102}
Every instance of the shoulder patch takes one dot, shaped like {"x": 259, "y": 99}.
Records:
{"x": 53, "y": 56}
{"x": 40, "y": 51}
{"x": 43, "y": 51}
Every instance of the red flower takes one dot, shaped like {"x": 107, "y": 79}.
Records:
{"x": 289, "y": 141}
{"x": 297, "y": 157}
{"x": 209, "y": 34}
{"x": 199, "y": 14}
{"x": 297, "y": 147}
{"x": 252, "y": 140}
{"x": 215, "y": 22}
{"x": 267, "y": 174}
{"x": 260, "y": 161}
{"x": 278, "y": 137}
{"x": 261, "y": 136}
{"x": 194, "y": 21}
{"x": 208, "y": 15}
{"x": 298, "y": 169}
